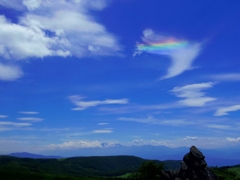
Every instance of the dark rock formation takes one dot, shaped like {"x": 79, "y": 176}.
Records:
{"x": 193, "y": 167}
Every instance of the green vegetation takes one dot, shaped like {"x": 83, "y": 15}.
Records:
{"x": 78, "y": 166}
{"x": 17, "y": 175}
{"x": 94, "y": 168}
{"x": 148, "y": 170}
{"x": 84, "y": 168}
{"x": 236, "y": 170}
{"x": 227, "y": 173}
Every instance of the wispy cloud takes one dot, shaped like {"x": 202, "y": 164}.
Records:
{"x": 14, "y": 124}
{"x": 102, "y": 131}
{"x": 32, "y": 4}
{"x": 7, "y": 126}
{"x": 192, "y": 138}
{"x": 102, "y": 124}
{"x": 153, "y": 120}
{"x": 76, "y": 144}
{"x": 224, "y": 111}
{"x": 3, "y": 116}
{"x": 201, "y": 142}
{"x": 44, "y": 30}
{"x": 233, "y": 139}
{"x": 82, "y": 105}
{"x": 81, "y": 144}
{"x": 9, "y": 72}
{"x": 219, "y": 126}
{"x": 181, "y": 52}
{"x": 226, "y": 77}
{"x": 28, "y": 112}
{"x": 33, "y": 119}
{"x": 193, "y": 95}
{"x": 15, "y": 4}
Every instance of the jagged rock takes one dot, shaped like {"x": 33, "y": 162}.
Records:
{"x": 193, "y": 167}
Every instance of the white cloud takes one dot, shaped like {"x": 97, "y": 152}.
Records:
{"x": 190, "y": 138}
{"x": 102, "y": 131}
{"x": 32, "y": 4}
{"x": 3, "y": 116}
{"x": 9, "y": 72}
{"x": 28, "y": 112}
{"x": 193, "y": 95}
{"x": 14, "y": 124}
{"x": 200, "y": 142}
{"x": 182, "y": 60}
{"x": 153, "y": 120}
{"x": 81, "y": 144}
{"x": 72, "y": 24}
{"x": 8, "y": 126}
{"x": 77, "y": 144}
{"x": 167, "y": 143}
{"x": 34, "y": 119}
{"x": 81, "y": 105}
{"x": 5, "y": 129}
{"x": 224, "y": 111}
{"x": 53, "y": 28}
{"x": 219, "y": 126}
{"x": 15, "y": 4}
{"x": 182, "y": 57}
{"x": 20, "y": 42}
{"x": 233, "y": 139}
{"x": 226, "y": 77}
{"x": 102, "y": 124}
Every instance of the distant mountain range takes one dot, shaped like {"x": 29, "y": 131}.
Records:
{"x": 34, "y": 156}
{"x": 219, "y": 157}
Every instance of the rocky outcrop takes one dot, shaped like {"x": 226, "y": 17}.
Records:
{"x": 193, "y": 167}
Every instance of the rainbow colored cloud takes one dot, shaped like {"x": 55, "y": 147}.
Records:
{"x": 181, "y": 52}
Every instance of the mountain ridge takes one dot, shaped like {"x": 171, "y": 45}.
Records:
{"x": 32, "y": 155}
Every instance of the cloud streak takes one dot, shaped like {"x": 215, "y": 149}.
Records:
{"x": 192, "y": 94}
{"x": 102, "y": 131}
{"x": 14, "y": 124}
{"x": 28, "y": 112}
{"x": 192, "y": 138}
{"x": 82, "y": 105}
{"x": 181, "y": 52}
{"x": 81, "y": 144}
{"x": 33, "y": 119}
{"x": 8, "y": 126}
{"x": 102, "y": 124}
{"x": 233, "y": 139}
{"x": 219, "y": 126}
{"x": 224, "y": 111}
{"x": 226, "y": 77}
{"x": 153, "y": 120}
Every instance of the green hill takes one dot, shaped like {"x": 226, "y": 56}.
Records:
{"x": 228, "y": 172}
{"x": 87, "y": 168}
{"x": 78, "y": 166}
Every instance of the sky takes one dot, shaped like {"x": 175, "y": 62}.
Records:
{"x": 83, "y": 73}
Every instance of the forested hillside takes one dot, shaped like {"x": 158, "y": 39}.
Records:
{"x": 96, "y": 166}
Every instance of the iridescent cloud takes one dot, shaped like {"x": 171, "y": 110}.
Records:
{"x": 181, "y": 52}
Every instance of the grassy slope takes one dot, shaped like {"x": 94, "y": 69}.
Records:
{"x": 103, "y": 166}
{"x": 16, "y": 175}
{"x": 228, "y": 173}
{"x": 97, "y": 166}
{"x": 235, "y": 169}
{"x": 12, "y": 168}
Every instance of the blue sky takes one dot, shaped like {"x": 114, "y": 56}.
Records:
{"x": 79, "y": 73}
